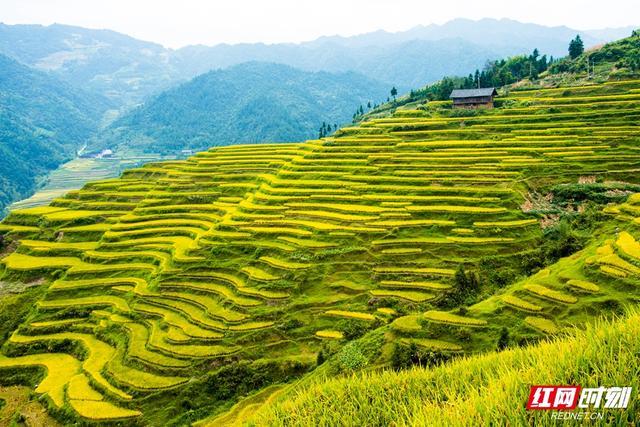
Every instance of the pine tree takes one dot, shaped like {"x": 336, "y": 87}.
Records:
{"x": 394, "y": 92}
{"x": 576, "y": 47}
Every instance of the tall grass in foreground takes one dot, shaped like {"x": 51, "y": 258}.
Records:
{"x": 490, "y": 389}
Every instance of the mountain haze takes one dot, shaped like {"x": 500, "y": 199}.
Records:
{"x": 128, "y": 70}
{"x": 247, "y": 103}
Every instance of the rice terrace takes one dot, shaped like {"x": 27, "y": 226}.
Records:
{"x": 423, "y": 265}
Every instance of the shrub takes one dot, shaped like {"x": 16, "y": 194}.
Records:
{"x": 351, "y": 358}
{"x": 503, "y": 340}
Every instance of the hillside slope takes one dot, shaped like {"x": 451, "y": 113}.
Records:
{"x": 252, "y": 102}
{"x": 43, "y": 121}
{"x": 184, "y": 285}
{"x": 124, "y": 69}
{"x": 481, "y": 390}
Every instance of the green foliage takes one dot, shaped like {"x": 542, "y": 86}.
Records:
{"x": 601, "y": 193}
{"x": 480, "y": 390}
{"x": 243, "y": 104}
{"x": 622, "y": 54}
{"x": 351, "y": 358}
{"x": 466, "y": 286}
{"x": 503, "y": 340}
{"x": 405, "y": 356}
{"x": 43, "y": 121}
{"x": 576, "y": 47}
{"x": 14, "y": 308}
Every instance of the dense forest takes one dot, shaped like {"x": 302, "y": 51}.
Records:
{"x": 43, "y": 121}
{"x": 248, "y": 103}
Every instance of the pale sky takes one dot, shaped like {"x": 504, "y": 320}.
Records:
{"x": 179, "y": 23}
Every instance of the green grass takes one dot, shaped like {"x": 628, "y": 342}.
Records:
{"x": 479, "y": 390}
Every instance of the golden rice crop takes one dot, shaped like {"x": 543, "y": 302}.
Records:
{"x": 415, "y": 270}
{"x": 401, "y": 251}
{"x": 17, "y": 261}
{"x": 211, "y": 305}
{"x": 99, "y": 355}
{"x": 284, "y": 264}
{"x": 446, "y": 317}
{"x": 215, "y": 288}
{"x": 79, "y": 388}
{"x": 178, "y": 320}
{"x": 157, "y": 341}
{"x": 101, "y": 410}
{"x": 407, "y": 324}
{"x": 307, "y": 243}
{"x": 414, "y": 285}
{"x": 583, "y": 285}
{"x": 194, "y": 313}
{"x": 550, "y": 294}
{"x": 330, "y": 334}
{"x": 520, "y": 304}
{"x": 542, "y": 324}
{"x": 60, "y": 369}
{"x": 628, "y": 245}
{"x": 413, "y": 296}
{"x": 350, "y": 314}
{"x": 98, "y": 300}
{"x": 506, "y": 224}
{"x": 259, "y": 274}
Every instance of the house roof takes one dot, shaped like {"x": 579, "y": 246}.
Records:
{"x": 473, "y": 93}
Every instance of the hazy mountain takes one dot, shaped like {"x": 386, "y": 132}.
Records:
{"x": 120, "y": 67}
{"x": 129, "y": 70}
{"x": 251, "y": 102}
{"x": 501, "y": 34}
{"x": 43, "y": 121}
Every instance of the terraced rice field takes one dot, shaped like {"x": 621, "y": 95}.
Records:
{"x": 180, "y": 266}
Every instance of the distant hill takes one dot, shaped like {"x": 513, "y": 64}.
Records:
{"x": 128, "y": 71}
{"x": 252, "y": 102}
{"x": 43, "y": 121}
{"x": 120, "y": 67}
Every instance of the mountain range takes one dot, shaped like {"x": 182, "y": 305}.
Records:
{"x": 63, "y": 87}
{"x": 43, "y": 121}
{"x": 247, "y": 103}
{"x": 128, "y": 70}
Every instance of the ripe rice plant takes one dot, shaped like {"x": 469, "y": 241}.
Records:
{"x": 350, "y": 314}
{"x": 583, "y": 285}
{"x": 258, "y": 274}
{"x": 102, "y": 411}
{"x": 60, "y": 369}
{"x": 550, "y": 294}
{"x": 330, "y": 334}
{"x": 284, "y": 264}
{"x": 414, "y": 285}
{"x": 407, "y": 324}
{"x": 414, "y": 296}
{"x": 541, "y": 324}
{"x": 454, "y": 319}
{"x": 79, "y": 389}
{"x": 520, "y": 304}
